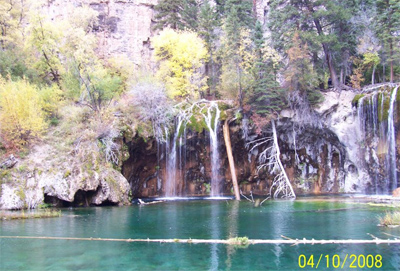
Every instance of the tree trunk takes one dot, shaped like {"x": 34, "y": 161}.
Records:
{"x": 207, "y": 73}
{"x": 373, "y": 75}
{"x": 327, "y": 53}
{"x": 341, "y": 76}
{"x": 278, "y": 159}
{"x": 230, "y": 159}
{"x": 391, "y": 63}
{"x": 211, "y": 87}
{"x": 384, "y": 72}
{"x": 328, "y": 58}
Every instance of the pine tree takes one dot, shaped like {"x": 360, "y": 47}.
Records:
{"x": 387, "y": 29}
{"x": 300, "y": 75}
{"x": 190, "y": 15}
{"x": 237, "y": 22}
{"x": 267, "y": 95}
{"x": 207, "y": 24}
{"x": 242, "y": 9}
{"x": 346, "y": 30}
{"x": 325, "y": 25}
{"x": 176, "y": 14}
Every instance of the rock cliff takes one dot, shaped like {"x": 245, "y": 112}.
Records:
{"x": 124, "y": 26}
{"x": 323, "y": 153}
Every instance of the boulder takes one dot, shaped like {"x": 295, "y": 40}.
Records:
{"x": 9, "y": 162}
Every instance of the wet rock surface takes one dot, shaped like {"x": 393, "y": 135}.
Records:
{"x": 328, "y": 156}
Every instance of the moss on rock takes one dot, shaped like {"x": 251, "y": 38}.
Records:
{"x": 356, "y": 98}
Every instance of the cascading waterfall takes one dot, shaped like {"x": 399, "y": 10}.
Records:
{"x": 375, "y": 112}
{"x": 368, "y": 117}
{"x": 173, "y": 154}
{"x": 391, "y": 154}
{"x": 382, "y": 125}
{"x": 175, "y": 148}
{"x": 212, "y": 121}
{"x": 361, "y": 115}
{"x": 379, "y": 138}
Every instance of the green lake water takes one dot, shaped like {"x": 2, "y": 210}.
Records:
{"x": 197, "y": 220}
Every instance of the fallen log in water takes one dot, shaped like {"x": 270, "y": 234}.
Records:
{"x": 141, "y": 202}
{"x": 233, "y": 241}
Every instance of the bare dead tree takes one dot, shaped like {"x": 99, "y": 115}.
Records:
{"x": 152, "y": 102}
{"x": 111, "y": 149}
{"x": 270, "y": 158}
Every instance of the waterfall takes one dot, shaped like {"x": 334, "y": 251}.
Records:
{"x": 159, "y": 181}
{"x": 377, "y": 125}
{"x": 361, "y": 115}
{"x": 173, "y": 154}
{"x": 175, "y": 149}
{"x": 391, "y": 154}
{"x": 373, "y": 114}
{"x": 382, "y": 125}
{"x": 212, "y": 121}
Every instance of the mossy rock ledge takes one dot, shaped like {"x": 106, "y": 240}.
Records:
{"x": 77, "y": 188}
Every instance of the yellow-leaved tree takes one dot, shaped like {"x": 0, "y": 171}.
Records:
{"x": 21, "y": 113}
{"x": 181, "y": 54}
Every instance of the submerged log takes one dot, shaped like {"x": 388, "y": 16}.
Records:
{"x": 234, "y": 241}
{"x": 141, "y": 202}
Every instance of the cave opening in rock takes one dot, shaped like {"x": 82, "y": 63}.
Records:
{"x": 56, "y": 202}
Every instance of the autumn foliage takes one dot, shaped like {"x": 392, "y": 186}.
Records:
{"x": 181, "y": 55}
{"x": 22, "y": 116}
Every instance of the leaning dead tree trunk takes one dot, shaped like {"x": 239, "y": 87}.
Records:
{"x": 270, "y": 158}
{"x": 228, "y": 146}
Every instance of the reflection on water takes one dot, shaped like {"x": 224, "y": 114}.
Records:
{"x": 233, "y": 231}
{"x": 277, "y": 250}
{"x": 215, "y": 234}
{"x": 276, "y": 227}
{"x": 194, "y": 219}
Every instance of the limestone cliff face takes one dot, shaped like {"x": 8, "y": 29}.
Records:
{"x": 50, "y": 175}
{"x": 124, "y": 26}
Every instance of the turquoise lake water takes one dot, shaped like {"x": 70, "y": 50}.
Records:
{"x": 197, "y": 220}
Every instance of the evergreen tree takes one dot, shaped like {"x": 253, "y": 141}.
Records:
{"x": 237, "y": 22}
{"x": 207, "y": 23}
{"x": 324, "y": 24}
{"x": 347, "y": 29}
{"x": 176, "y": 14}
{"x": 242, "y": 9}
{"x": 190, "y": 14}
{"x": 387, "y": 28}
{"x": 267, "y": 95}
{"x": 299, "y": 74}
